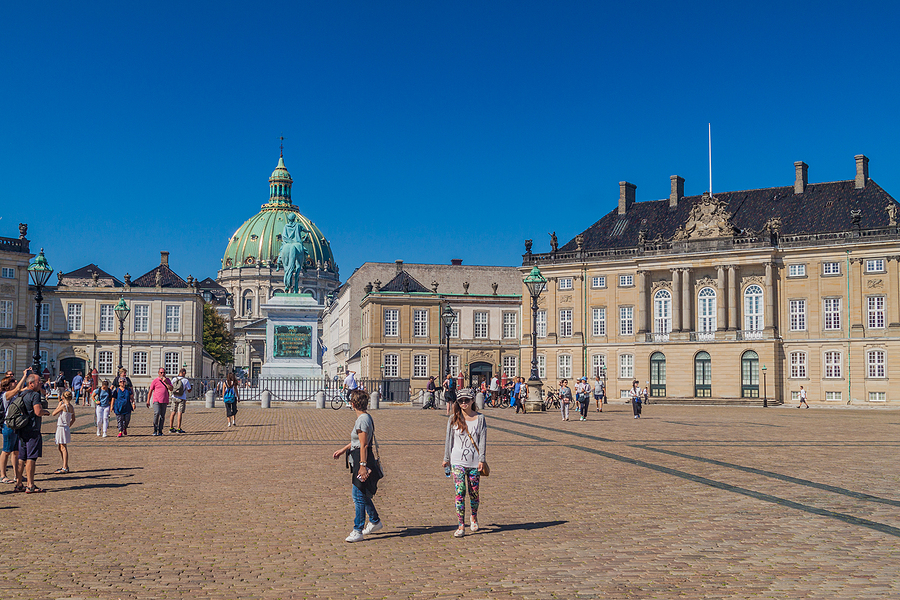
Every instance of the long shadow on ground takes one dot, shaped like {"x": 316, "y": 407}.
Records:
{"x": 492, "y": 528}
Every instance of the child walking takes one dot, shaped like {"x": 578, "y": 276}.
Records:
{"x": 122, "y": 406}
{"x": 66, "y": 412}
{"x": 103, "y": 400}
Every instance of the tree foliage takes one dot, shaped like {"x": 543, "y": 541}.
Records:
{"x": 217, "y": 340}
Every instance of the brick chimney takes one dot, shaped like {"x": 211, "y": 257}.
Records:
{"x": 164, "y": 258}
{"x": 456, "y": 262}
{"x": 800, "y": 177}
{"x": 862, "y": 170}
{"x": 399, "y": 264}
{"x": 626, "y": 196}
{"x": 677, "y": 190}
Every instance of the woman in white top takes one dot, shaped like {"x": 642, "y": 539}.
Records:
{"x": 464, "y": 451}
{"x": 66, "y": 412}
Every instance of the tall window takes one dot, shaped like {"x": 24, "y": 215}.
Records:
{"x": 454, "y": 326}
{"x": 598, "y": 321}
{"x": 391, "y": 322}
{"x": 798, "y": 315}
{"x": 832, "y": 364}
{"x": 541, "y": 328}
{"x": 750, "y": 374}
{"x": 481, "y": 325}
{"x": 565, "y": 366}
{"x": 598, "y": 365}
{"x": 45, "y": 316}
{"x": 173, "y": 318}
{"x": 44, "y": 357}
{"x": 141, "y": 318}
{"x": 6, "y": 314}
{"x": 707, "y": 310}
{"x": 626, "y": 320}
{"x": 876, "y": 312}
{"x": 420, "y": 365}
{"x": 391, "y": 365}
{"x": 565, "y": 283}
{"x": 139, "y": 363}
{"x": 565, "y": 322}
{"x": 248, "y": 305}
{"x": 798, "y": 365}
{"x": 702, "y": 375}
{"x": 454, "y": 364}
{"x": 832, "y": 313}
{"x": 73, "y": 312}
{"x": 542, "y": 366}
{"x": 662, "y": 312}
{"x": 753, "y": 308}
{"x": 6, "y": 360}
{"x": 875, "y": 363}
{"x": 626, "y": 366}
{"x": 105, "y": 362}
{"x": 107, "y": 316}
{"x": 171, "y": 362}
{"x": 510, "y": 331}
{"x": 658, "y": 375}
{"x": 510, "y": 366}
{"x": 420, "y": 324}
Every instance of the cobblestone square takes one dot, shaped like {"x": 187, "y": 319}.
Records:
{"x": 687, "y": 502}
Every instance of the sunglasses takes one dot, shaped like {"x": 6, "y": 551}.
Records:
{"x": 464, "y": 400}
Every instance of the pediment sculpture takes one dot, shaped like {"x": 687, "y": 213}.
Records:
{"x": 709, "y": 218}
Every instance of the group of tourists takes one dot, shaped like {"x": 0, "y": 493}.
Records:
{"x": 465, "y": 448}
{"x": 584, "y": 390}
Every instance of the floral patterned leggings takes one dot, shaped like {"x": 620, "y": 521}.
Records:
{"x": 462, "y": 476}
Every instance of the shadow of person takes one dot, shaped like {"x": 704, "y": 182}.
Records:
{"x": 492, "y": 528}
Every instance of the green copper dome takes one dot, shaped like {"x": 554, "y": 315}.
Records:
{"x": 258, "y": 241}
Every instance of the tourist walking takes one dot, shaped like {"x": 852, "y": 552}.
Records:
{"x": 361, "y": 458}
{"x": 123, "y": 405}
{"x": 585, "y": 398}
{"x": 802, "y": 398}
{"x": 122, "y": 376}
{"x": 430, "y": 390}
{"x": 598, "y": 393}
{"x": 30, "y": 439}
{"x": 9, "y": 389}
{"x": 495, "y": 390}
{"x": 159, "y": 398}
{"x": 102, "y": 402}
{"x": 449, "y": 386}
{"x": 565, "y": 398}
{"x": 523, "y": 395}
{"x": 66, "y": 416}
{"x": 77, "y": 383}
{"x": 636, "y": 399}
{"x": 181, "y": 385}
{"x": 465, "y": 449}
{"x": 231, "y": 396}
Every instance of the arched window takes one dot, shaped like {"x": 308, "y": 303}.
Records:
{"x": 702, "y": 375}
{"x": 247, "y": 304}
{"x": 753, "y": 308}
{"x": 658, "y": 375}
{"x": 750, "y": 374}
{"x": 662, "y": 312}
{"x": 706, "y": 310}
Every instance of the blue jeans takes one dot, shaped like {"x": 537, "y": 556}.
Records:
{"x": 363, "y": 504}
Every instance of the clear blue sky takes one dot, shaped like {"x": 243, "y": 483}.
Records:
{"x": 418, "y": 130}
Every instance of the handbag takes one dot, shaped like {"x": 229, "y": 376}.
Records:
{"x": 485, "y": 469}
{"x": 370, "y": 485}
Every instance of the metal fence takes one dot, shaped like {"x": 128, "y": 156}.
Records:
{"x": 293, "y": 389}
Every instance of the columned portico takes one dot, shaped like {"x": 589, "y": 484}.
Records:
{"x": 734, "y": 293}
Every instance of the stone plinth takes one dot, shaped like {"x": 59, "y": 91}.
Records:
{"x": 292, "y": 336}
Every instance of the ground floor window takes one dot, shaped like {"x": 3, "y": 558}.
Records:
{"x": 511, "y": 366}
{"x": 391, "y": 365}
{"x": 6, "y": 360}
{"x": 420, "y": 365}
{"x": 626, "y": 366}
{"x": 542, "y": 366}
{"x": 565, "y": 366}
{"x": 105, "y": 362}
{"x": 139, "y": 363}
{"x": 750, "y": 374}
{"x": 702, "y": 375}
{"x": 658, "y": 375}
{"x": 833, "y": 396}
{"x": 171, "y": 363}
{"x": 877, "y": 396}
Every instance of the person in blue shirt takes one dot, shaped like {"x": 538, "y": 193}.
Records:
{"x": 77, "y": 382}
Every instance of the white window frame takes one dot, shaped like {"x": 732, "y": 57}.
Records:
{"x": 877, "y": 396}
{"x": 107, "y": 318}
{"x": 6, "y": 360}
{"x": 598, "y": 362}
{"x": 565, "y": 283}
{"x": 420, "y": 365}
{"x": 45, "y": 357}
{"x": 105, "y": 362}
{"x": 662, "y": 311}
{"x": 141, "y": 322}
{"x": 875, "y": 312}
{"x": 172, "y": 362}
{"x": 598, "y": 282}
{"x": 831, "y": 309}
{"x": 833, "y": 364}
{"x": 173, "y": 318}
{"x": 626, "y": 280}
{"x": 626, "y": 320}
{"x": 454, "y": 326}
{"x": 74, "y": 313}
{"x": 45, "y": 316}
{"x": 875, "y": 265}
{"x": 706, "y": 310}
{"x": 420, "y": 323}
{"x": 797, "y": 270}
{"x": 140, "y": 360}
{"x": 564, "y": 366}
{"x": 8, "y": 273}
{"x": 626, "y": 366}
{"x": 831, "y": 268}
{"x": 391, "y": 322}
{"x": 510, "y": 365}
{"x": 876, "y": 364}
{"x": 454, "y": 364}
{"x": 565, "y": 322}
{"x": 798, "y": 314}
{"x": 391, "y": 365}
{"x": 753, "y": 308}
{"x": 598, "y": 322}
{"x": 7, "y": 314}
{"x": 481, "y": 325}
{"x": 510, "y": 325}
{"x": 541, "y": 323}
{"x": 542, "y": 366}
{"x": 833, "y": 397}
{"x": 798, "y": 365}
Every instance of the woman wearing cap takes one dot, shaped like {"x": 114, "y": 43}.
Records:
{"x": 464, "y": 450}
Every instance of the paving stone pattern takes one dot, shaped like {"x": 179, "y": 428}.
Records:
{"x": 687, "y": 502}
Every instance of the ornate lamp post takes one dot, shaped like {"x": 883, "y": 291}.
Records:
{"x": 39, "y": 271}
{"x": 121, "y": 311}
{"x": 765, "y": 398}
{"x": 447, "y": 318}
{"x": 536, "y": 284}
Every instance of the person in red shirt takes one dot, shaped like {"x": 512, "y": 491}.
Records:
{"x": 159, "y": 397}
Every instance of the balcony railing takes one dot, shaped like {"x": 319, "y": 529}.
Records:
{"x": 749, "y": 334}
{"x": 703, "y": 336}
{"x": 657, "y": 338}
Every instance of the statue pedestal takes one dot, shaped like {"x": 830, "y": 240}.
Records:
{"x": 292, "y": 336}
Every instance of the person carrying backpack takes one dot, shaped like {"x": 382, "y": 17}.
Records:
{"x": 231, "y": 397}
{"x": 181, "y": 385}
{"x": 24, "y": 415}
{"x": 9, "y": 389}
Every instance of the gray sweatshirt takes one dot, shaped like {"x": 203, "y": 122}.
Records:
{"x": 460, "y": 439}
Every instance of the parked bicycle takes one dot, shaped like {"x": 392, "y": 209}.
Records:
{"x": 337, "y": 399}
{"x": 551, "y": 402}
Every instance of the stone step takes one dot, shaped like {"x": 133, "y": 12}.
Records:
{"x": 715, "y": 401}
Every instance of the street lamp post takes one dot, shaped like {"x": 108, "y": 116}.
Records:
{"x": 39, "y": 271}
{"x": 765, "y": 395}
{"x": 121, "y": 311}
{"x": 536, "y": 284}
{"x": 448, "y": 317}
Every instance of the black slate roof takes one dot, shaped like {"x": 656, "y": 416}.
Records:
{"x": 211, "y": 284}
{"x": 87, "y": 272}
{"x": 821, "y": 208}
{"x": 169, "y": 279}
{"x": 404, "y": 282}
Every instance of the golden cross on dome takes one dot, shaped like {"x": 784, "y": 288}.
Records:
{"x": 282, "y": 146}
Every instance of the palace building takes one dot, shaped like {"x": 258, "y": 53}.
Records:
{"x": 730, "y": 297}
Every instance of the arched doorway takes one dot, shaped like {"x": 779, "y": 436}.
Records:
{"x": 702, "y": 375}
{"x": 657, "y": 375}
{"x": 480, "y": 371}
{"x": 750, "y": 374}
{"x": 69, "y": 367}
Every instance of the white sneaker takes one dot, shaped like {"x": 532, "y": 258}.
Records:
{"x": 98, "y": 433}
{"x": 635, "y": 416}
{"x": 104, "y": 435}
{"x": 373, "y": 527}
{"x": 474, "y": 525}
{"x": 355, "y": 536}
{"x": 229, "y": 423}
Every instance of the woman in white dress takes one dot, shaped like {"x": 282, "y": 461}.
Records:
{"x": 66, "y": 416}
